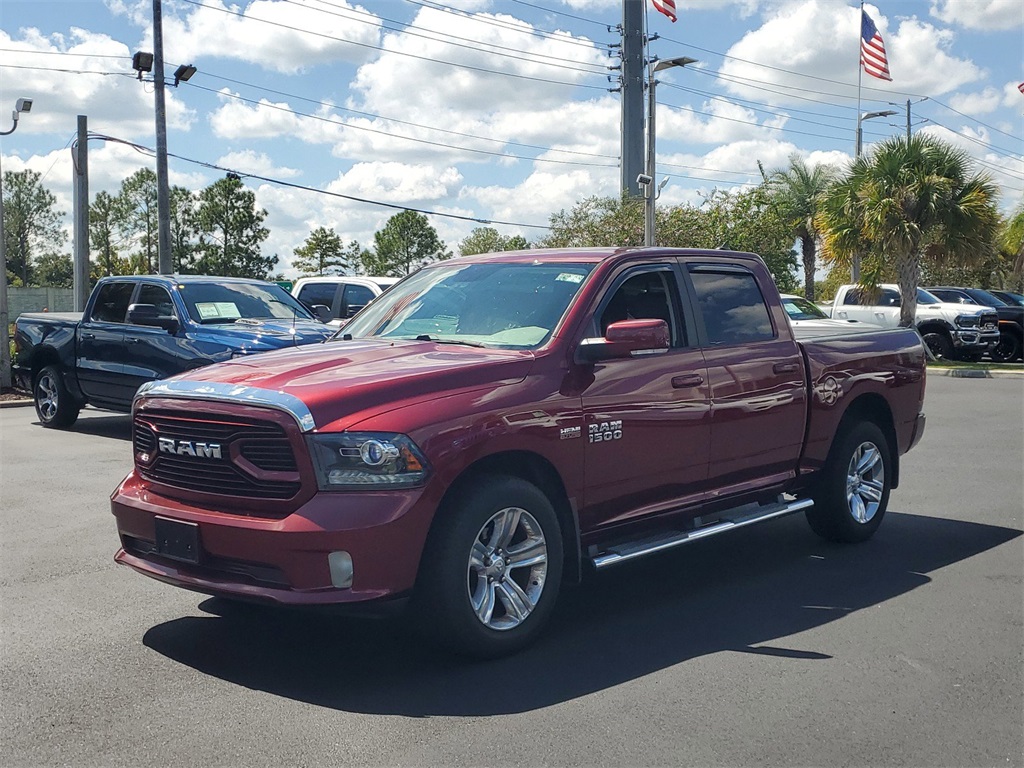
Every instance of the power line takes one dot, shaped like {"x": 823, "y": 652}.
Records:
{"x": 560, "y": 13}
{"x": 560, "y": 36}
{"x": 460, "y": 134}
{"x": 446, "y": 37}
{"x": 280, "y": 182}
{"x": 354, "y": 126}
{"x": 399, "y": 53}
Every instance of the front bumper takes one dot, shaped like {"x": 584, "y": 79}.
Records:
{"x": 282, "y": 561}
{"x": 975, "y": 338}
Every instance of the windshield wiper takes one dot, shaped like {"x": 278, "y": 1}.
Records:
{"x": 462, "y": 342}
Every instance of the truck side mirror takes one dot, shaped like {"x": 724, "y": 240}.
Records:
{"x": 148, "y": 314}
{"x": 626, "y": 338}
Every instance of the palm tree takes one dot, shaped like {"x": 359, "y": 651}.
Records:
{"x": 797, "y": 191}
{"x": 906, "y": 200}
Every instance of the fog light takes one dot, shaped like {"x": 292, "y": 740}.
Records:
{"x": 340, "y": 564}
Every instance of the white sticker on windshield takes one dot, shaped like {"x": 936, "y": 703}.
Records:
{"x": 211, "y": 309}
{"x": 569, "y": 277}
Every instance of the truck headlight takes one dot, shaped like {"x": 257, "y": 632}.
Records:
{"x": 968, "y": 321}
{"x": 361, "y": 460}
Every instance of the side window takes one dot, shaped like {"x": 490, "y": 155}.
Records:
{"x": 158, "y": 296}
{"x": 112, "y": 302}
{"x": 356, "y": 297}
{"x": 889, "y": 298}
{"x": 854, "y": 297}
{"x": 732, "y": 307}
{"x": 645, "y": 296}
{"x": 318, "y": 293}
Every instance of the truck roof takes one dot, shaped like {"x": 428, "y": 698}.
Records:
{"x": 595, "y": 255}
{"x": 181, "y": 279}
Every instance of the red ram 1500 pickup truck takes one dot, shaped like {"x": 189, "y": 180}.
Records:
{"x": 497, "y": 425}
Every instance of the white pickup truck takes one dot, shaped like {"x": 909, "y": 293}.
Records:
{"x": 950, "y": 330}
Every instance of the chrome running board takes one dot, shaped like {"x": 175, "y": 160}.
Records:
{"x": 620, "y": 553}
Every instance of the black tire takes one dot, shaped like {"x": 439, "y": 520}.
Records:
{"x": 940, "y": 345}
{"x": 55, "y": 406}
{"x": 467, "y": 567}
{"x": 1008, "y": 349}
{"x": 852, "y": 492}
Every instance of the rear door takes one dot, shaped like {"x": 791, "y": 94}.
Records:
{"x": 354, "y": 298}
{"x": 100, "y": 351}
{"x": 857, "y": 305}
{"x": 646, "y": 420}
{"x": 756, "y": 378}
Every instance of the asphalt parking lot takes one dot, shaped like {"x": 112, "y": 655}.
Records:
{"x": 766, "y": 648}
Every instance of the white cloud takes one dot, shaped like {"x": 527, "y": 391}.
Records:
{"x": 258, "y": 163}
{"x": 996, "y": 15}
{"x": 397, "y": 182}
{"x": 1012, "y": 95}
{"x": 813, "y": 39}
{"x": 84, "y": 73}
{"x": 976, "y": 103}
{"x": 284, "y": 37}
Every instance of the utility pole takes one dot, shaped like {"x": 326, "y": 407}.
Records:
{"x": 22, "y": 105}
{"x": 81, "y": 206}
{"x": 163, "y": 194}
{"x": 631, "y": 141}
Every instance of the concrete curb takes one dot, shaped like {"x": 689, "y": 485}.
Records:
{"x": 15, "y": 403}
{"x": 975, "y": 373}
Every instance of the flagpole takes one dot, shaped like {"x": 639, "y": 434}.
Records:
{"x": 860, "y": 74}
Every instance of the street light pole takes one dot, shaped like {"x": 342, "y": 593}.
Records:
{"x": 163, "y": 194}
{"x": 22, "y": 105}
{"x": 855, "y": 270}
{"x": 647, "y": 179}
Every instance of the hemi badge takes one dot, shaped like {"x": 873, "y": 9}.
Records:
{"x": 569, "y": 433}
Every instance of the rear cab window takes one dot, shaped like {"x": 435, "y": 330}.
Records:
{"x": 731, "y": 305}
{"x": 112, "y": 300}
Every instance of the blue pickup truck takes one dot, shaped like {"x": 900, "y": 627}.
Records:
{"x": 145, "y": 327}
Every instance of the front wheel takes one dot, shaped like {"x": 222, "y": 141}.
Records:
{"x": 55, "y": 406}
{"x": 492, "y": 569}
{"x": 940, "y": 345}
{"x": 853, "y": 490}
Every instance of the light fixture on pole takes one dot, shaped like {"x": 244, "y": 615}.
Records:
{"x": 868, "y": 116}
{"x": 855, "y": 267}
{"x": 183, "y": 74}
{"x": 21, "y": 105}
{"x": 142, "y": 62}
{"x": 646, "y": 179}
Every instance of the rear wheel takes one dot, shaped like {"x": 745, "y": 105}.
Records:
{"x": 54, "y": 404}
{"x": 853, "y": 489}
{"x": 939, "y": 344}
{"x": 493, "y": 569}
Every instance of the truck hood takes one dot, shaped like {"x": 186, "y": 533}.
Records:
{"x": 263, "y": 335}
{"x": 344, "y": 381}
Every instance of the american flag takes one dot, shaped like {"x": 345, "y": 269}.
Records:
{"x": 1021, "y": 87}
{"x": 872, "y": 49}
{"x": 668, "y": 7}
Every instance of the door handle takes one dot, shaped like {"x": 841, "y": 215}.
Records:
{"x": 687, "y": 380}
{"x": 88, "y": 335}
{"x": 131, "y": 340}
{"x": 785, "y": 367}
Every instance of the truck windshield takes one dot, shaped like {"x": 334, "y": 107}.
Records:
{"x": 228, "y": 302}
{"x": 500, "y": 305}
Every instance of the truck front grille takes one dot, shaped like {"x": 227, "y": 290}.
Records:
{"x": 219, "y": 456}
{"x": 989, "y": 321}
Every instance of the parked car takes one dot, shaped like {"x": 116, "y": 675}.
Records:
{"x": 344, "y": 296}
{"x": 808, "y": 319}
{"x": 140, "y": 328}
{"x": 1011, "y": 318}
{"x": 498, "y": 424}
{"x": 1010, "y": 297}
{"x": 949, "y": 329}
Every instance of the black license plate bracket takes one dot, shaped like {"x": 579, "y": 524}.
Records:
{"x": 177, "y": 540}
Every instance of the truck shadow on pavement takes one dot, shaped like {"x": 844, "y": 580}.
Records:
{"x": 115, "y": 426}
{"x": 743, "y": 593}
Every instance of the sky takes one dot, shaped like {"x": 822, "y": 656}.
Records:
{"x": 492, "y": 112}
